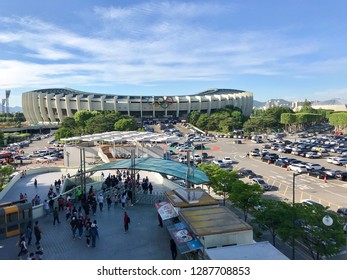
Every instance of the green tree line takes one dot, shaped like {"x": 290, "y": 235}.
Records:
{"x": 280, "y": 219}
{"x": 86, "y": 122}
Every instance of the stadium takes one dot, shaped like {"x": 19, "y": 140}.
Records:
{"x": 52, "y": 106}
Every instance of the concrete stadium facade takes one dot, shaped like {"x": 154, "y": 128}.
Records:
{"x": 46, "y": 106}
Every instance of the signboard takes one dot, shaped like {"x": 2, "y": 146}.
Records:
{"x": 166, "y": 210}
{"x": 184, "y": 239}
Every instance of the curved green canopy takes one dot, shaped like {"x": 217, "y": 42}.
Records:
{"x": 168, "y": 167}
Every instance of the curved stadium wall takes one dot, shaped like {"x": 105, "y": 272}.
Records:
{"x": 54, "y": 105}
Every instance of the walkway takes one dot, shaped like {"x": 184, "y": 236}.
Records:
{"x": 144, "y": 241}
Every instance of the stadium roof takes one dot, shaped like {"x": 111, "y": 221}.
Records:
{"x": 168, "y": 167}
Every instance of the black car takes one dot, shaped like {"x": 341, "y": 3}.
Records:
{"x": 204, "y": 155}
{"x": 270, "y": 158}
{"x": 199, "y": 147}
{"x": 281, "y": 163}
{"x": 243, "y": 172}
{"x": 333, "y": 173}
{"x": 317, "y": 173}
{"x": 342, "y": 176}
{"x": 342, "y": 211}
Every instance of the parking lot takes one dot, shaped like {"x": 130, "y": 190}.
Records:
{"x": 322, "y": 186}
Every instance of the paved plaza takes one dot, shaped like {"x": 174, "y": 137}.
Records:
{"x": 145, "y": 240}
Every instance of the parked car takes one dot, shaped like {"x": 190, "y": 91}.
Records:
{"x": 300, "y": 168}
{"x": 219, "y": 162}
{"x": 340, "y": 161}
{"x": 312, "y": 202}
{"x": 243, "y": 172}
{"x": 342, "y": 176}
{"x": 342, "y": 211}
{"x": 313, "y": 155}
{"x": 333, "y": 173}
{"x": 261, "y": 182}
{"x": 319, "y": 174}
{"x": 227, "y": 160}
{"x": 197, "y": 158}
{"x": 310, "y": 165}
{"x": 204, "y": 155}
{"x": 270, "y": 157}
{"x": 281, "y": 163}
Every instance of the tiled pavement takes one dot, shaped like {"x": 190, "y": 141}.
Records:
{"x": 144, "y": 241}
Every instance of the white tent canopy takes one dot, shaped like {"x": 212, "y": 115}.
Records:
{"x": 123, "y": 136}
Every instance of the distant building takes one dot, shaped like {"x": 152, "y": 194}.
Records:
{"x": 277, "y": 103}
{"x": 337, "y": 104}
{"x": 54, "y": 105}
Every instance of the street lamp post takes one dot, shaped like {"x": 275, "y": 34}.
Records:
{"x": 294, "y": 214}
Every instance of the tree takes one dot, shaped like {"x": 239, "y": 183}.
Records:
{"x": 63, "y": 132}
{"x": 273, "y": 215}
{"x": 339, "y": 120}
{"x": 202, "y": 121}
{"x": 125, "y": 124}
{"x": 194, "y": 117}
{"x": 306, "y": 107}
{"x": 101, "y": 123}
{"x": 245, "y": 196}
{"x": 70, "y": 123}
{"x": 319, "y": 240}
{"x": 5, "y": 172}
{"x": 81, "y": 118}
{"x": 222, "y": 182}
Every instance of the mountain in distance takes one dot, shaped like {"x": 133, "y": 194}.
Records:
{"x": 282, "y": 102}
{"x": 335, "y": 101}
{"x": 16, "y": 109}
{"x": 258, "y": 104}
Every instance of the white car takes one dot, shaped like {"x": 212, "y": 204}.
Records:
{"x": 316, "y": 166}
{"x": 227, "y": 160}
{"x": 219, "y": 162}
{"x": 331, "y": 159}
{"x": 340, "y": 161}
{"x": 42, "y": 160}
{"x": 298, "y": 167}
{"x": 313, "y": 155}
{"x": 197, "y": 158}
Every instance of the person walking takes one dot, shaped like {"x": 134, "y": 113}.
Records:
{"x": 35, "y": 183}
{"x": 101, "y": 201}
{"x": 28, "y": 234}
{"x": 37, "y": 232}
{"x": 94, "y": 205}
{"x": 173, "y": 249}
{"x": 123, "y": 199}
{"x": 93, "y": 233}
{"x": 109, "y": 202}
{"x": 126, "y": 220}
{"x": 88, "y": 234}
{"x": 23, "y": 247}
{"x": 73, "y": 225}
{"x": 80, "y": 226}
{"x": 150, "y": 187}
{"x": 56, "y": 216}
{"x": 46, "y": 207}
{"x": 160, "y": 220}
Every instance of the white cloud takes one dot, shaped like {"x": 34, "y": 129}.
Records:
{"x": 150, "y": 43}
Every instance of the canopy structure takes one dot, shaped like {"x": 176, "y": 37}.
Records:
{"x": 169, "y": 167}
{"x": 123, "y": 137}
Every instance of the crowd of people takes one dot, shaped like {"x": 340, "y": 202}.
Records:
{"x": 79, "y": 212}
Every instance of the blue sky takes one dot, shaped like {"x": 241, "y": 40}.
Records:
{"x": 287, "y": 49}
